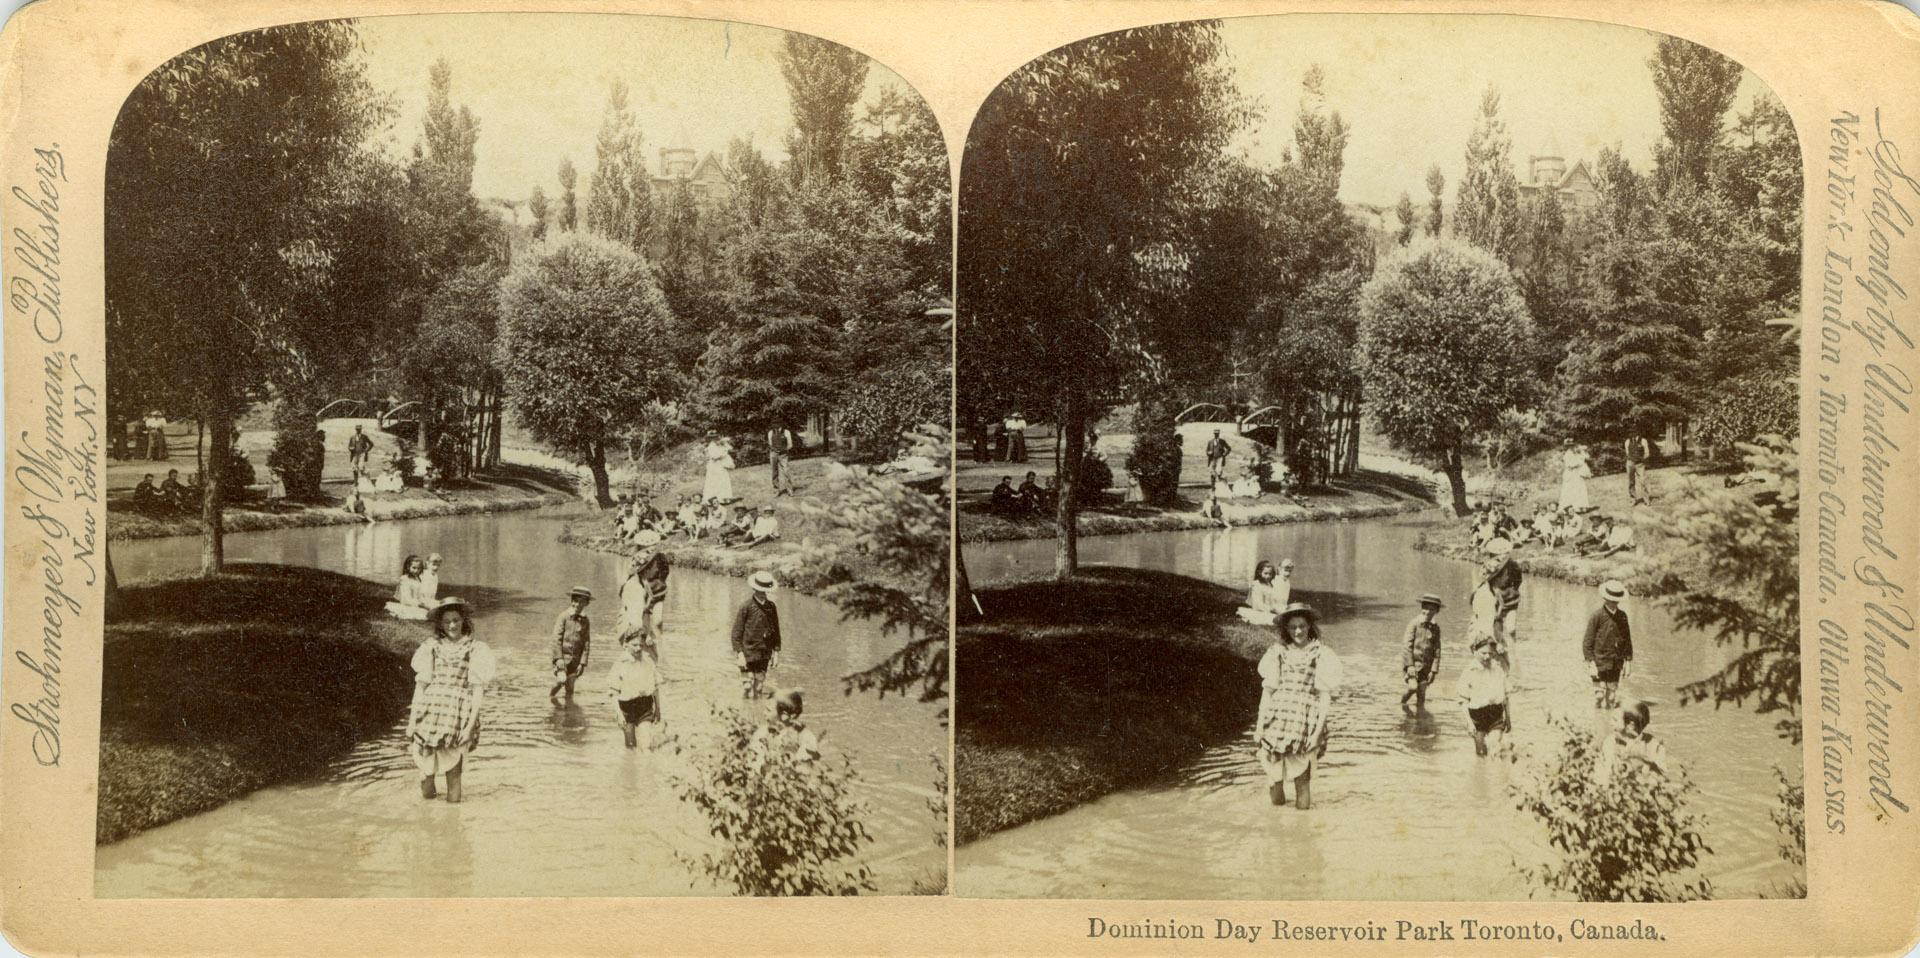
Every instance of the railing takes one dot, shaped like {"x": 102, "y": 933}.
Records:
{"x": 1197, "y": 406}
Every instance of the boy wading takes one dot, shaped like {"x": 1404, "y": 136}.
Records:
{"x": 572, "y": 638}
{"x": 1608, "y": 645}
{"x": 756, "y": 636}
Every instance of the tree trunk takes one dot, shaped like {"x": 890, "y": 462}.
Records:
{"x": 1353, "y": 436}
{"x": 1073, "y": 435}
{"x": 493, "y": 432}
{"x": 1457, "y": 479}
{"x": 597, "y": 462}
{"x": 199, "y": 446}
{"x": 112, "y": 603}
{"x": 212, "y": 543}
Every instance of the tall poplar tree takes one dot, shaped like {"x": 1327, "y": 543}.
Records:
{"x": 1487, "y": 208}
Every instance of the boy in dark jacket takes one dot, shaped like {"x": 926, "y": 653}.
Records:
{"x": 756, "y": 636}
{"x": 1608, "y": 645}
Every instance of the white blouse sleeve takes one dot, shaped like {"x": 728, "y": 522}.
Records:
{"x": 481, "y": 666}
{"x": 1270, "y": 667}
{"x": 1330, "y": 674}
{"x": 423, "y": 661}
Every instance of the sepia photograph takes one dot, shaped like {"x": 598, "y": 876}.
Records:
{"x": 1377, "y": 468}
{"x": 528, "y": 466}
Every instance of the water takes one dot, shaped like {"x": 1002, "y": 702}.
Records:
{"x": 555, "y": 805}
{"x": 1403, "y": 809}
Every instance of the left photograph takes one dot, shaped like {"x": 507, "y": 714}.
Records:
{"x": 529, "y": 468}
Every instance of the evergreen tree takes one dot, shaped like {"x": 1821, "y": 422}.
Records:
{"x": 609, "y": 191}
{"x": 1436, "y": 191}
{"x": 569, "y": 204}
{"x": 1629, "y": 374}
{"x": 1403, "y": 211}
{"x": 1487, "y": 208}
{"x": 537, "y": 206}
{"x": 1695, "y": 86}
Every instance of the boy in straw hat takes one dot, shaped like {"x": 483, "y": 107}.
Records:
{"x": 756, "y": 635}
{"x": 1422, "y": 658}
{"x": 572, "y": 641}
{"x": 1608, "y": 645}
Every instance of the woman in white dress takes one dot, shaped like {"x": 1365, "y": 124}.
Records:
{"x": 1574, "y": 471}
{"x": 719, "y": 455}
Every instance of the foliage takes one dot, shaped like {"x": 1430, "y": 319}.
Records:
{"x": 569, "y": 201}
{"x": 1622, "y": 835}
{"x": 767, "y": 370}
{"x": 884, "y": 404}
{"x": 1436, "y": 193}
{"x": 1311, "y": 370}
{"x": 1791, "y": 817}
{"x": 1154, "y": 462}
{"x": 297, "y": 454}
{"x": 259, "y": 141}
{"x": 1443, "y": 340}
{"x": 824, "y": 80}
{"x": 1747, "y": 409}
{"x": 901, "y": 532}
{"x": 537, "y": 208}
{"x": 786, "y": 820}
{"x": 1630, "y": 371}
{"x": 1086, "y": 168}
{"x": 1517, "y": 433}
{"x": 1695, "y": 86}
{"x": 1727, "y": 561}
{"x": 1759, "y": 174}
{"x": 618, "y": 197}
{"x": 1487, "y": 208}
{"x": 1409, "y": 220}
{"x": 582, "y": 322}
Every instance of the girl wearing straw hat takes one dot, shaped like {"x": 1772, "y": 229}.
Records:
{"x": 451, "y": 673}
{"x": 1298, "y": 676}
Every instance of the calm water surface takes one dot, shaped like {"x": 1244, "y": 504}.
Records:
{"x": 1403, "y": 809}
{"x": 555, "y": 804}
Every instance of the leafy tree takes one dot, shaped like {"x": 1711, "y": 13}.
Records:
{"x": 1312, "y": 373}
{"x": 1747, "y": 409}
{"x": 1628, "y": 373}
{"x": 1487, "y": 210}
{"x": 1790, "y": 817}
{"x": 537, "y": 206}
{"x": 456, "y": 231}
{"x": 234, "y": 164}
{"x": 1085, "y": 168}
{"x": 581, "y": 345}
{"x": 1622, "y": 834}
{"x": 1155, "y": 460}
{"x": 824, "y": 80}
{"x": 569, "y": 205}
{"x": 1759, "y": 173}
{"x": 899, "y": 533}
{"x": 1403, "y": 211}
{"x": 770, "y": 368}
{"x": 785, "y": 820}
{"x": 453, "y": 366}
{"x": 1443, "y": 342}
{"x": 1727, "y": 562}
{"x": 901, "y": 162}
{"x": 1695, "y": 86}
{"x": 610, "y": 200}
{"x": 1436, "y": 191}
{"x": 297, "y": 454}
{"x": 884, "y": 404}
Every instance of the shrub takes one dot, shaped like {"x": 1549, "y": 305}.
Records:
{"x": 1621, "y": 836}
{"x": 1747, "y": 409}
{"x": 1095, "y": 477}
{"x": 785, "y": 821}
{"x": 887, "y": 403}
{"x": 1155, "y": 460}
{"x": 294, "y": 453}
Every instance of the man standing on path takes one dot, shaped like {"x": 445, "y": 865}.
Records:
{"x": 1608, "y": 646}
{"x": 1016, "y": 430}
{"x": 779, "y": 446}
{"x": 1638, "y": 452}
{"x": 756, "y": 636}
{"x": 1217, "y": 452}
{"x": 359, "y": 447}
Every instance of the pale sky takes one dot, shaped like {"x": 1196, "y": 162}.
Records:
{"x": 538, "y": 85}
{"x": 1409, "y": 88}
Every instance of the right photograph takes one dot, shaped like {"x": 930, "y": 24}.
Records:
{"x": 1377, "y": 468}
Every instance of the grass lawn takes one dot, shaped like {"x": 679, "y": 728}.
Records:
{"x": 215, "y": 687}
{"x": 1070, "y": 691}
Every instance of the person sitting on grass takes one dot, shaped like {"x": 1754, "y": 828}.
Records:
{"x": 430, "y": 579}
{"x": 410, "y": 600}
{"x": 1595, "y": 537}
{"x": 1032, "y": 497}
{"x": 766, "y": 528}
{"x": 739, "y": 527}
{"x": 1210, "y": 508}
{"x": 356, "y": 505}
{"x": 1619, "y": 538}
{"x": 689, "y": 515}
{"x": 1003, "y": 499}
{"x": 146, "y": 498}
{"x": 175, "y": 495}
{"x": 1483, "y": 690}
{"x": 1248, "y": 485}
{"x": 1269, "y": 595}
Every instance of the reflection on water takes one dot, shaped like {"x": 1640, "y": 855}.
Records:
{"x": 1403, "y": 809}
{"x": 555, "y": 804}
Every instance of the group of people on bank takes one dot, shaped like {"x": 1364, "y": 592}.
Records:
{"x": 1300, "y": 673}
{"x": 453, "y": 669}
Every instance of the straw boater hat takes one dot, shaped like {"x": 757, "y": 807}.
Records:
{"x": 763, "y": 581}
{"x": 450, "y": 602}
{"x": 1432, "y": 600}
{"x": 581, "y": 592}
{"x": 1614, "y": 589}
{"x": 1499, "y": 546}
{"x": 1293, "y": 609}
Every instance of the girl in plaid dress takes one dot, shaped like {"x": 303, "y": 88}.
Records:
{"x": 451, "y": 672}
{"x": 1298, "y": 677}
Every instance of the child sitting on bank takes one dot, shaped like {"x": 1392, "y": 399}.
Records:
{"x": 635, "y": 683}
{"x": 1483, "y": 689}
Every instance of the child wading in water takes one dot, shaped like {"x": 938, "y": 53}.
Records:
{"x": 451, "y": 672}
{"x": 1298, "y": 677}
{"x": 1422, "y": 658}
{"x": 1483, "y": 688}
{"x": 572, "y": 643}
{"x": 635, "y": 681}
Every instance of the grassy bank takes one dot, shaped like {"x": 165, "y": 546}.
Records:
{"x": 216, "y": 687}
{"x": 1366, "y": 494}
{"x": 507, "y": 488}
{"x": 1071, "y": 691}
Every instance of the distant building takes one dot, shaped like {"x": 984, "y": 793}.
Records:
{"x": 703, "y": 174}
{"x": 1574, "y": 186}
